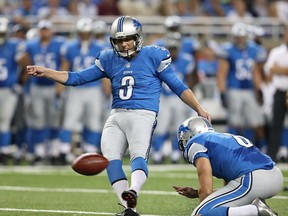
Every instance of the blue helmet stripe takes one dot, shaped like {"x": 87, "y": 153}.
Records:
{"x": 207, "y": 122}
{"x": 120, "y": 24}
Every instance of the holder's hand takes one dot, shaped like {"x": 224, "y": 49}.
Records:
{"x": 187, "y": 192}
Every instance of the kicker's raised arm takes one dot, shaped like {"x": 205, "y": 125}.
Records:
{"x": 38, "y": 71}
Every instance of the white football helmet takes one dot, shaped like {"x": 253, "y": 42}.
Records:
{"x": 32, "y": 34}
{"x": 190, "y": 127}
{"x": 255, "y": 31}
{"x": 84, "y": 25}
{"x": 99, "y": 27}
{"x": 173, "y": 23}
{"x": 126, "y": 27}
{"x": 3, "y": 29}
{"x": 239, "y": 30}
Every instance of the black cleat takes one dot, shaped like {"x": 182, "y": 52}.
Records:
{"x": 4, "y": 159}
{"x": 127, "y": 212}
{"x": 130, "y": 197}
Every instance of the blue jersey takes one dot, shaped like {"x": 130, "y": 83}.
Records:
{"x": 47, "y": 56}
{"x": 208, "y": 68}
{"x": 81, "y": 59}
{"x": 188, "y": 45}
{"x": 24, "y": 12}
{"x": 105, "y": 43}
{"x": 241, "y": 64}
{"x": 183, "y": 65}
{"x": 261, "y": 51}
{"x": 8, "y": 63}
{"x": 230, "y": 156}
{"x": 136, "y": 83}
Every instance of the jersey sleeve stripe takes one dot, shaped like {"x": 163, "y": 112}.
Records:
{"x": 164, "y": 64}
{"x": 98, "y": 64}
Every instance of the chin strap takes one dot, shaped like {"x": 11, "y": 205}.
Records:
{"x": 126, "y": 54}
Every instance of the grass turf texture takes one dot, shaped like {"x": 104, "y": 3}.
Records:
{"x": 59, "y": 191}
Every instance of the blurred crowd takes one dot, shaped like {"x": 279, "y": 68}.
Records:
{"x": 44, "y": 122}
{"x": 234, "y": 9}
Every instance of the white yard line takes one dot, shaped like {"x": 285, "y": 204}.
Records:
{"x": 56, "y": 211}
{"x": 80, "y": 190}
{"x": 77, "y": 190}
{"x": 68, "y": 169}
{"x": 60, "y": 211}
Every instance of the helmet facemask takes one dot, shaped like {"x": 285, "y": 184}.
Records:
{"x": 184, "y": 135}
{"x": 130, "y": 52}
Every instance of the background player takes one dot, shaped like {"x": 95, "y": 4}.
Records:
{"x": 172, "y": 110}
{"x": 82, "y": 114}
{"x": 9, "y": 75}
{"x": 238, "y": 79}
{"x": 188, "y": 44}
{"x": 45, "y": 122}
{"x": 136, "y": 74}
{"x": 246, "y": 171}
{"x": 276, "y": 70}
{"x": 100, "y": 33}
{"x": 101, "y": 37}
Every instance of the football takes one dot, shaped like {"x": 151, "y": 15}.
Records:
{"x": 89, "y": 164}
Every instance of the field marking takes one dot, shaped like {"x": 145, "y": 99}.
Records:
{"x": 68, "y": 169}
{"x": 56, "y": 211}
{"x": 79, "y": 190}
{"x": 61, "y": 211}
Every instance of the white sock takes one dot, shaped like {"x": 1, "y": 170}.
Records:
{"x": 89, "y": 148}
{"x": 40, "y": 150}
{"x": 119, "y": 187}
{"x": 138, "y": 178}
{"x": 247, "y": 210}
{"x": 65, "y": 148}
{"x": 54, "y": 147}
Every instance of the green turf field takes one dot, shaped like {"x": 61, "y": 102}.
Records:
{"x": 45, "y": 190}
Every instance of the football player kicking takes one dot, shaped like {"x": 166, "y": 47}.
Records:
{"x": 136, "y": 74}
{"x": 249, "y": 175}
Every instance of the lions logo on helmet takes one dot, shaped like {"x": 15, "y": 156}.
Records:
{"x": 126, "y": 27}
{"x": 239, "y": 30}
{"x": 190, "y": 127}
{"x": 84, "y": 25}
